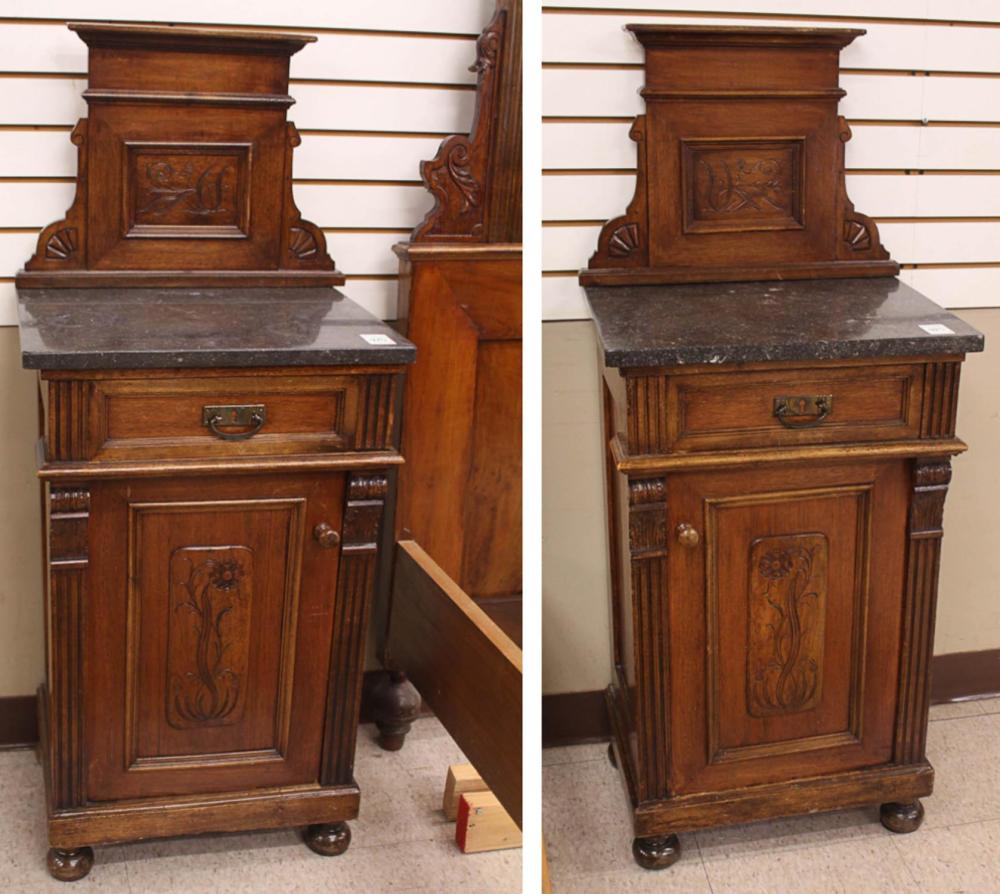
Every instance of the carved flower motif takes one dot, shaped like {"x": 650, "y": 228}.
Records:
{"x": 775, "y": 564}
{"x": 226, "y": 575}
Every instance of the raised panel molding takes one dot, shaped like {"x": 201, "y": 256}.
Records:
{"x": 742, "y": 185}
{"x": 187, "y": 190}
{"x": 208, "y": 609}
{"x": 787, "y": 596}
{"x": 787, "y": 622}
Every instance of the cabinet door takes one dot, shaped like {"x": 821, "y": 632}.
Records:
{"x": 784, "y": 621}
{"x": 207, "y": 633}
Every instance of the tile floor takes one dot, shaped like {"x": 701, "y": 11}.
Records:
{"x": 956, "y": 850}
{"x": 401, "y": 842}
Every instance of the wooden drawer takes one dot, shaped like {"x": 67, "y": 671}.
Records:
{"x": 165, "y": 417}
{"x": 738, "y": 409}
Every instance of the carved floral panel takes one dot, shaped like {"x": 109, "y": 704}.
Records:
{"x": 742, "y": 185}
{"x": 211, "y": 589}
{"x": 185, "y": 188}
{"x": 787, "y": 615}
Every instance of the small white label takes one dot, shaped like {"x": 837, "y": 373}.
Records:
{"x": 377, "y": 338}
{"x": 936, "y": 329}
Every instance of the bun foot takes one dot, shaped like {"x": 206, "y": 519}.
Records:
{"x": 902, "y": 818}
{"x": 656, "y": 853}
{"x": 328, "y": 839}
{"x": 70, "y": 865}
{"x": 611, "y": 755}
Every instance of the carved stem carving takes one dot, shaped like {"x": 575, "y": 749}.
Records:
{"x": 207, "y": 634}
{"x": 787, "y": 612}
{"x": 930, "y": 487}
{"x": 366, "y": 493}
{"x": 647, "y": 541}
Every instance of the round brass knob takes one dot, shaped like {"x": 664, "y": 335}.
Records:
{"x": 325, "y": 536}
{"x": 688, "y": 536}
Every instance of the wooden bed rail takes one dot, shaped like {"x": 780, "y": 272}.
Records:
{"x": 466, "y": 668}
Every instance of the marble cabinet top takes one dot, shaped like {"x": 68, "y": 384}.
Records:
{"x": 172, "y": 328}
{"x": 817, "y": 319}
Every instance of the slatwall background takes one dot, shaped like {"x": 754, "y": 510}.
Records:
{"x": 923, "y": 100}
{"x": 385, "y": 82}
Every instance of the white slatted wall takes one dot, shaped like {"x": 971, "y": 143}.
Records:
{"x": 923, "y": 101}
{"x": 385, "y": 82}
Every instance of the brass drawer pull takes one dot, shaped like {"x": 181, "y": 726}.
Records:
{"x": 325, "y": 535}
{"x": 687, "y": 535}
{"x": 818, "y": 405}
{"x": 254, "y": 415}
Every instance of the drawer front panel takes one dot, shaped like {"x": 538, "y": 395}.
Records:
{"x": 874, "y": 403}
{"x": 228, "y": 415}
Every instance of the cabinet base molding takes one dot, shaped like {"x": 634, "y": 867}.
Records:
{"x": 687, "y": 813}
{"x": 80, "y": 828}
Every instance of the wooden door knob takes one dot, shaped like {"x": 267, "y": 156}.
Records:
{"x": 325, "y": 536}
{"x": 688, "y": 536}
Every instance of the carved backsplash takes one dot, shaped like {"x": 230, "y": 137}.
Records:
{"x": 184, "y": 175}
{"x": 740, "y": 164}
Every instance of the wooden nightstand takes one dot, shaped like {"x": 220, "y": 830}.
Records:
{"x": 217, "y": 431}
{"x": 779, "y": 418}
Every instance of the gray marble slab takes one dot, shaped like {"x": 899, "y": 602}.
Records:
{"x": 817, "y": 319}
{"x": 173, "y": 328}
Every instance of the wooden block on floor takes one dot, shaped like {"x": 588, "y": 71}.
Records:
{"x": 462, "y": 778}
{"x": 483, "y": 824}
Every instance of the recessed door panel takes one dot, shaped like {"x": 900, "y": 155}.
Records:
{"x": 210, "y": 624}
{"x": 783, "y": 621}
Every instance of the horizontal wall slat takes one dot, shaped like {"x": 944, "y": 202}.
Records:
{"x": 39, "y": 100}
{"x": 590, "y": 145}
{"x": 596, "y": 93}
{"x": 357, "y": 57}
{"x": 434, "y": 16}
{"x": 602, "y": 196}
{"x": 569, "y": 247}
{"x": 49, "y": 153}
{"x": 956, "y": 11}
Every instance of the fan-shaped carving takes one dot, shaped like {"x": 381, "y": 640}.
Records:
{"x": 302, "y": 243}
{"x": 624, "y": 240}
{"x": 62, "y": 244}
